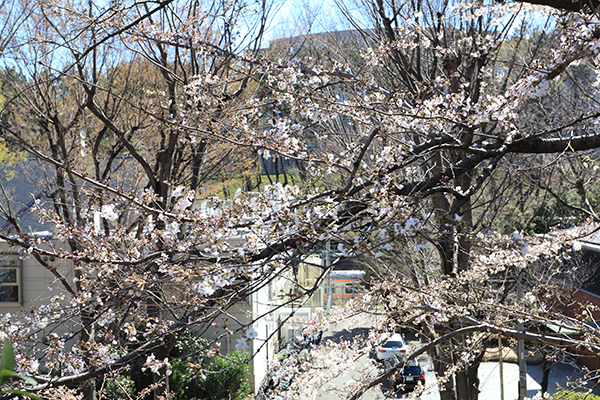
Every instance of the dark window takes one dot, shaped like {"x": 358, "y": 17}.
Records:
{"x": 8, "y": 275}
{"x": 10, "y": 278}
{"x": 412, "y": 371}
{"x": 393, "y": 344}
{"x": 9, "y": 294}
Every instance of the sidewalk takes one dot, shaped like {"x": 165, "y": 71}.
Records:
{"x": 560, "y": 376}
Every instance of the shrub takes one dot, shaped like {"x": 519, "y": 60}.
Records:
{"x": 183, "y": 384}
{"x": 121, "y": 387}
{"x": 567, "y": 395}
{"x": 226, "y": 377}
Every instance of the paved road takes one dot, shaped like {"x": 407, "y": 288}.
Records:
{"x": 381, "y": 392}
{"x": 560, "y": 375}
{"x": 342, "y": 333}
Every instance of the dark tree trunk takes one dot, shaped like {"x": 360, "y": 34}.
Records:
{"x": 441, "y": 357}
{"x": 88, "y": 388}
{"x": 467, "y": 382}
{"x": 546, "y": 366}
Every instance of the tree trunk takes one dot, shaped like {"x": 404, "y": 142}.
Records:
{"x": 89, "y": 387}
{"x": 546, "y": 366}
{"x": 87, "y": 333}
{"x": 441, "y": 357}
{"x": 162, "y": 352}
{"x": 467, "y": 382}
{"x": 464, "y": 227}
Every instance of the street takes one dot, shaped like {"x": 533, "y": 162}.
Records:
{"x": 561, "y": 374}
{"x": 363, "y": 366}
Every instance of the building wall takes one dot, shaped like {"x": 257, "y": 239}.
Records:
{"x": 571, "y": 301}
{"x": 37, "y": 285}
{"x": 265, "y": 346}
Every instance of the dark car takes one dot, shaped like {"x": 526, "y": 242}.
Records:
{"x": 408, "y": 377}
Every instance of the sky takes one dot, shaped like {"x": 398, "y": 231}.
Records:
{"x": 295, "y": 17}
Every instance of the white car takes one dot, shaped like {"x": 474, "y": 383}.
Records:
{"x": 393, "y": 344}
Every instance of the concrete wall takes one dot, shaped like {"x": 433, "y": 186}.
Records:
{"x": 265, "y": 346}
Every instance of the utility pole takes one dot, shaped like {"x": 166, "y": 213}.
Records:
{"x": 327, "y": 265}
{"x": 501, "y": 368}
{"x": 521, "y": 349}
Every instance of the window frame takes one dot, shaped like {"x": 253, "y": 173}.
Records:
{"x": 12, "y": 261}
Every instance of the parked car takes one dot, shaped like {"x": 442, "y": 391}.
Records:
{"x": 393, "y": 345}
{"x": 407, "y": 378}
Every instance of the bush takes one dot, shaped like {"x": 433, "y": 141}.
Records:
{"x": 189, "y": 345}
{"x": 121, "y": 387}
{"x": 183, "y": 384}
{"x": 226, "y": 377}
{"x": 567, "y": 395}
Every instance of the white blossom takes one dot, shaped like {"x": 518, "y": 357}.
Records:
{"x": 109, "y": 213}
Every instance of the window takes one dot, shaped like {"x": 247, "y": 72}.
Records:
{"x": 353, "y": 288}
{"x": 10, "y": 275}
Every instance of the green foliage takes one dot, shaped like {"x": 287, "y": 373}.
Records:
{"x": 556, "y": 214}
{"x": 224, "y": 377}
{"x": 2, "y": 98}
{"x": 7, "y": 361}
{"x": 227, "y": 378}
{"x": 567, "y": 395}
{"x": 121, "y": 387}
{"x": 545, "y": 214}
{"x": 7, "y": 371}
{"x": 224, "y": 188}
{"x": 8, "y": 157}
{"x": 183, "y": 383}
{"x": 189, "y": 345}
